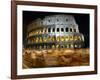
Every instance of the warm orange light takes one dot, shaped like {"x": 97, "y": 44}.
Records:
{"x": 62, "y": 38}
{"x": 40, "y": 40}
{"x": 58, "y": 38}
{"x": 66, "y": 38}
{"x": 71, "y": 38}
{"x": 45, "y": 39}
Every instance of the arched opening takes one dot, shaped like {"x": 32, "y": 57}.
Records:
{"x": 53, "y": 30}
{"x": 58, "y": 38}
{"x": 57, "y": 29}
{"x": 70, "y": 29}
{"x": 66, "y": 38}
{"x": 66, "y": 29}
{"x": 74, "y": 30}
{"x": 62, "y": 46}
{"x": 62, "y": 29}
{"x": 62, "y": 38}
{"x": 49, "y": 30}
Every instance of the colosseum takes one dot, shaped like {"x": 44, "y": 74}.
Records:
{"x": 54, "y": 31}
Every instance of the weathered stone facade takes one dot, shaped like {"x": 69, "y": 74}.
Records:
{"x": 54, "y": 31}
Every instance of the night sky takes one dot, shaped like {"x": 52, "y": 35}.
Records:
{"x": 81, "y": 19}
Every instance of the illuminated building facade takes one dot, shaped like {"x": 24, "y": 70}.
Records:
{"x": 54, "y": 31}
